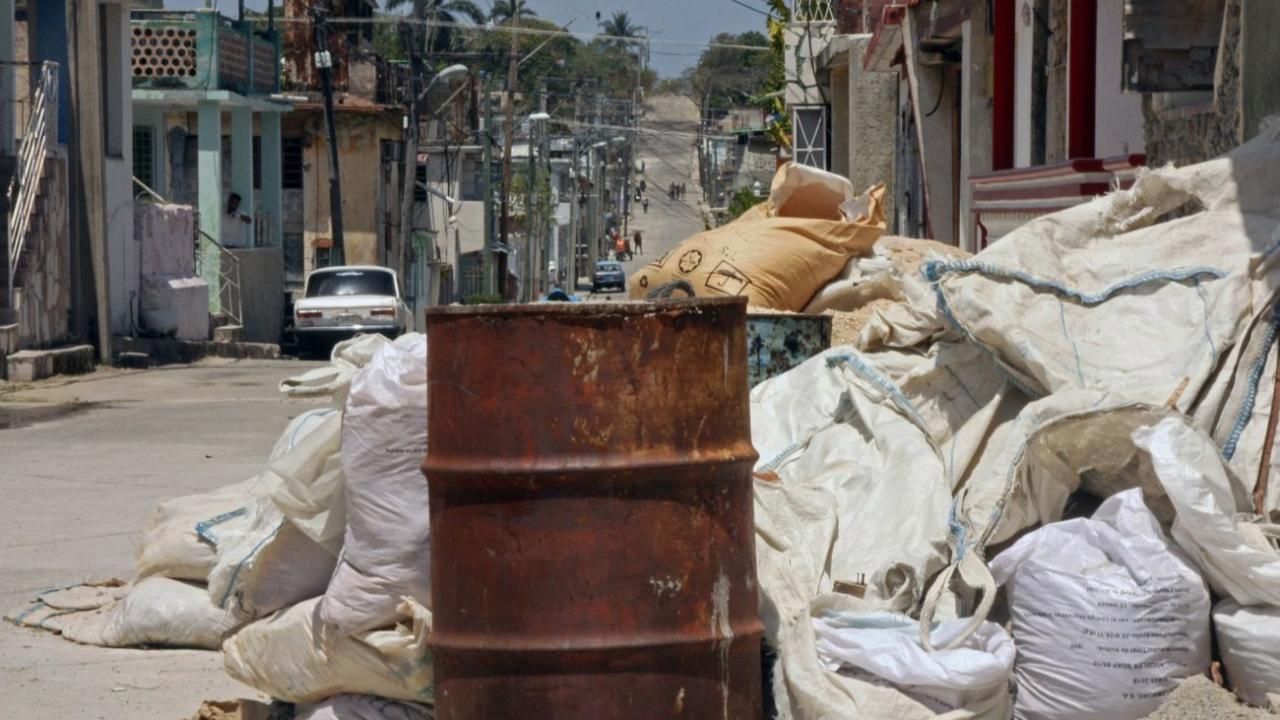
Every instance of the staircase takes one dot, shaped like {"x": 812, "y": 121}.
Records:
{"x": 27, "y": 190}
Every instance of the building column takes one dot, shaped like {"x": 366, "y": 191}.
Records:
{"x": 209, "y": 190}
{"x": 272, "y": 178}
{"x": 7, "y": 53}
{"x": 242, "y": 165}
{"x": 981, "y": 147}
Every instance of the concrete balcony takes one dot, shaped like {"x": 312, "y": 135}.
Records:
{"x": 203, "y": 51}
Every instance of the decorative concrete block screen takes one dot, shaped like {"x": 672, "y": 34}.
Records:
{"x": 164, "y": 52}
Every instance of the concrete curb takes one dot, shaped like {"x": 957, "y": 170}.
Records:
{"x": 32, "y": 365}
{"x": 168, "y": 351}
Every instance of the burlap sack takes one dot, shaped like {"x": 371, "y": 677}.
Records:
{"x": 775, "y": 262}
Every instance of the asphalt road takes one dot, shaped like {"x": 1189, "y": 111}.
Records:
{"x": 81, "y": 465}
{"x": 668, "y": 150}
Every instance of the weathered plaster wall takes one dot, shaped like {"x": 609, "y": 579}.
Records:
{"x": 872, "y": 124}
{"x": 360, "y": 137}
{"x": 1186, "y": 128}
{"x": 44, "y": 302}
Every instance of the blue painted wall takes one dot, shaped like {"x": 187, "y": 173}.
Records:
{"x": 51, "y": 44}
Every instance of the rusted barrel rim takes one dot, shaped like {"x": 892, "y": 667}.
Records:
{"x": 593, "y": 309}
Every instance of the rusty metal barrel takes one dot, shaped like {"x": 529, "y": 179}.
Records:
{"x": 592, "y": 552}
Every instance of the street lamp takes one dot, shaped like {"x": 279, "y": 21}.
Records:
{"x": 446, "y": 74}
{"x": 404, "y": 237}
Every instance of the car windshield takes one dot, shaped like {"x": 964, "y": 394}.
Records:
{"x": 351, "y": 282}
{"x": 608, "y": 267}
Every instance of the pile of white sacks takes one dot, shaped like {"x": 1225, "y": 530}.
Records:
{"x": 911, "y": 489}
{"x": 313, "y": 577}
{"x": 912, "y": 555}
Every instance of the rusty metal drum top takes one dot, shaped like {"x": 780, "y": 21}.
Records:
{"x": 591, "y": 512}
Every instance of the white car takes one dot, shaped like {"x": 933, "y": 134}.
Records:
{"x": 340, "y": 302}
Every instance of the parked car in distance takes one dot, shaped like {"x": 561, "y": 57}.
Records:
{"x": 608, "y": 274}
{"x": 344, "y": 301}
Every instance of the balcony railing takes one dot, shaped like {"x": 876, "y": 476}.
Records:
{"x": 202, "y": 50}
{"x": 812, "y": 11}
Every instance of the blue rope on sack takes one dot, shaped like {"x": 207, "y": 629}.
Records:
{"x": 1251, "y": 393}
{"x": 959, "y": 534}
{"x": 787, "y": 452}
{"x": 204, "y": 526}
{"x": 886, "y": 385}
{"x": 235, "y": 573}
{"x": 868, "y": 373}
{"x": 932, "y": 274}
{"x": 935, "y": 269}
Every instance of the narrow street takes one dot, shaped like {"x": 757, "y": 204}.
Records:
{"x": 974, "y": 413}
{"x": 667, "y": 149}
{"x": 84, "y": 463}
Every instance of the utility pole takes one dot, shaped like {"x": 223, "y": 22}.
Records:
{"x": 486, "y": 137}
{"x": 87, "y": 162}
{"x": 509, "y": 136}
{"x": 324, "y": 63}
{"x": 530, "y": 223}
{"x": 544, "y": 156}
{"x": 575, "y": 209}
{"x": 412, "y": 35}
{"x": 570, "y": 268}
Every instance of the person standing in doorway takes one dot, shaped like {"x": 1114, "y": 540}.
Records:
{"x": 235, "y": 224}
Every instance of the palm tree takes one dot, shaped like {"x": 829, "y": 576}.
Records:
{"x": 507, "y": 10}
{"x": 448, "y": 12}
{"x": 621, "y": 25}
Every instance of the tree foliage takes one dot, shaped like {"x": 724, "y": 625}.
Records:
{"x": 742, "y": 201}
{"x": 726, "y": 77}
{"x": 508, "y": 10}
{"x": 620, "y": 25}
{"x": 565, "y": 62}
{"x": 776, "y": 80}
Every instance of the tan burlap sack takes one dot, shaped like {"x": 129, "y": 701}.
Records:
{"x": 775, "y": 262}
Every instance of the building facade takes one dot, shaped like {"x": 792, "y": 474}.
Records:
{"x": 981, "y": 116}
{"x": 64, "y": 159}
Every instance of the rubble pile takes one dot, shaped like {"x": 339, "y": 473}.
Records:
{"x": 1116, "y": 362}
{"x": 312, "y": 577}
{"x": 1117, "y": 356}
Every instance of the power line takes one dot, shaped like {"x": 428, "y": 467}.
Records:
{"x": 397, "y": 20}
{"x": 752, "y": 8}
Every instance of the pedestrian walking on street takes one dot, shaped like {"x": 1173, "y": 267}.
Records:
{"x": 643, "y": 186}
{"x": 639, "y": 243}
{"x": 645, "y": 204}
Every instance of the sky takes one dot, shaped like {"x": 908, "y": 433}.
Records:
{"x": 673, "y": 24}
